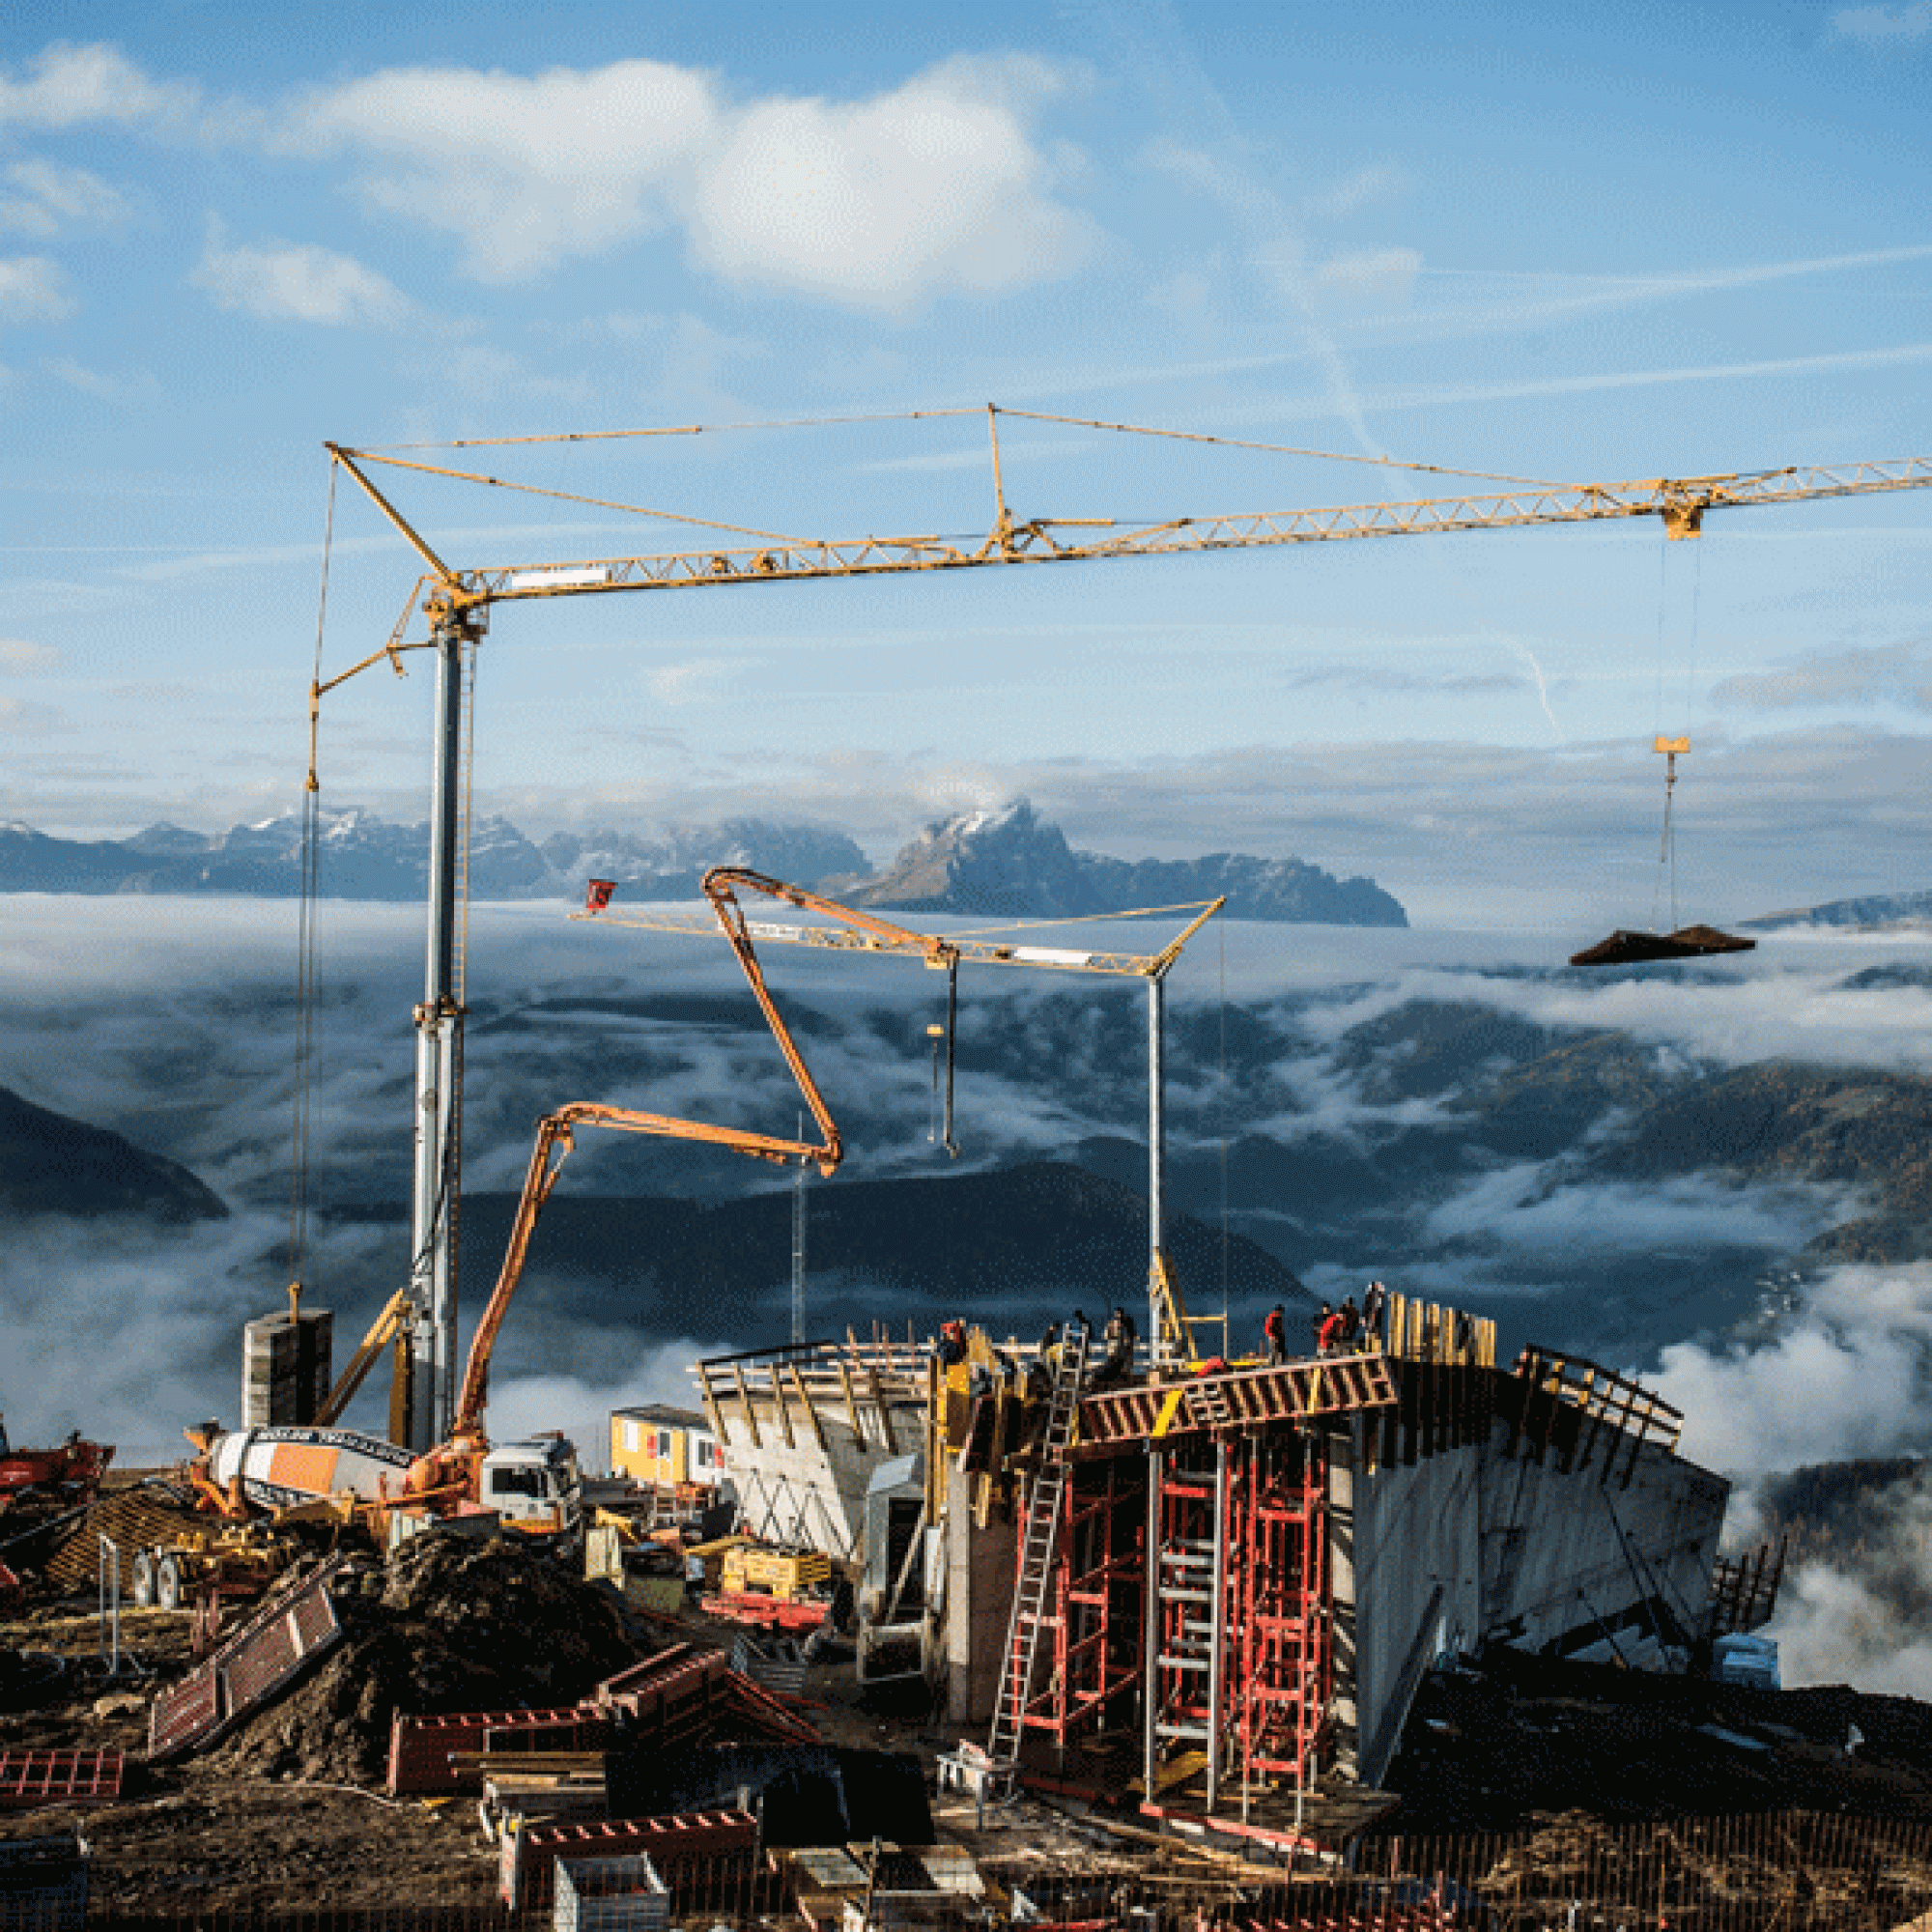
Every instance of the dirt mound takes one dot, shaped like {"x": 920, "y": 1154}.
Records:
{"x": 446, "y": 1624}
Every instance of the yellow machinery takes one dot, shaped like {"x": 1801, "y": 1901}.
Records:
{"x": 239, "y": 1559}
{"x": 788, "y": 1575}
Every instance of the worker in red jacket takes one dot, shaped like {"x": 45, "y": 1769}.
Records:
{"x": 1274, "y": 1332}
{"x": 1333, "y": 1331}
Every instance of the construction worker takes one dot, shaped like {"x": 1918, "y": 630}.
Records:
{"x": 1329, "y": 1340}
{"x": 1116, "y": 1364}
{"x": 952, "y": 1347}
{"x": 1352, "y": 1322}
{"x": 1319, "y": 1322}
{"x": 1274, "y": 1334}
{"x": 1375, "y": 1305}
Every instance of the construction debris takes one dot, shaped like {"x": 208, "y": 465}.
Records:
{"x": 446, "y": 1624}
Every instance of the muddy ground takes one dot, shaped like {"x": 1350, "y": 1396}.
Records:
{"x": 288, "y": 1813}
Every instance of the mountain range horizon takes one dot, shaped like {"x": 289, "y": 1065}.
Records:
{"x": 1003, "y": 863}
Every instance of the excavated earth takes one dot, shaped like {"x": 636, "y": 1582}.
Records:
{"x": 287, "y": 1811}
{"x": 286, "y": 1814}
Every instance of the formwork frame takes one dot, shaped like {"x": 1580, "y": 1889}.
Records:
{"x": 1096, "y": 1594}
{"x": 1286, "y": 1666}
{"x": 1198, "y": 1575}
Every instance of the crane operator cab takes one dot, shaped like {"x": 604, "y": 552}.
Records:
{"x": 533, "y": 1485}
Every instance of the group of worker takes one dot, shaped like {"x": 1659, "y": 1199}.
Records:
{"x": 1338, "y": 1331}
{"x": 1120, "y": 1338}
{"x": 1347, "y": 1330}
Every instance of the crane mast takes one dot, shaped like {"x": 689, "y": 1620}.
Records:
{"x": 457, "y": 604}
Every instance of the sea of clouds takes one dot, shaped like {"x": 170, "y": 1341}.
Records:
{"x": 174, "y": 1022}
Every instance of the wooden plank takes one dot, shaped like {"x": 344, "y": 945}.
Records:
{"x": 885, "y": 1414}
{"x": 781, "y": 1407}
{"x": 751, "y": 1413}
{"x": 810, "y": 1413}
{"x": 852, "y": 1406}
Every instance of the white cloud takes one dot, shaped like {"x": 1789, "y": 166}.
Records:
{"x": 91, "y": 382}
{"x": 1879, "y": 674}
{"x": 1383, "y": 277}
{"x": 932, "y": 187}
{"x": 529, "y": 171}
{"x": 20, "y": 658}
{"x": 690, "y": 683}
{"x": 71, "y": 86}
{"x": 1885, "y": 26}
{"x": 22, "y": 214}
{"x": 74, "y": 193}
{"x": 1355, "y": 192}
{"x": 882, "y": 202}
{"x": 20, "y": 718}
{"x": 31, "y": 289}
{"x": 288, "y": 281}
{"x": 1847, "y": 1379}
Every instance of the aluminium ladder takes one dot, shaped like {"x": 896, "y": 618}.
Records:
{"x": 1044, "y": 1497}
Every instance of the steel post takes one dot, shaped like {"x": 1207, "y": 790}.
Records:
{"x": 1156, "y": 1153}
{"x": 1217, "y": 1647}
{"x": 439, "y": 1023}
{"x": 1150, "y": 1647}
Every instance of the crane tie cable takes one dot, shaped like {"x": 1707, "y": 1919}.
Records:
{"x": 921, "y": 416}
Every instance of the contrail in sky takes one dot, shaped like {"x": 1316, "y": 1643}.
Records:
{"x": 1153, "y": 42}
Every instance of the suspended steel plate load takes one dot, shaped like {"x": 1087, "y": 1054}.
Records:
{"x": 1637, "y": 949}
{"x": 1688, "y": 942}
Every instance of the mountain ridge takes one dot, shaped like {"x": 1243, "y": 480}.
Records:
{"x": 1008, "y": 863}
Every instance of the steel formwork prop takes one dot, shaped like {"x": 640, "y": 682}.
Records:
{"x": 1098, "y": 1586}
{"x": 1240, "y": 1673}
{"x": 1285, "y": 1664}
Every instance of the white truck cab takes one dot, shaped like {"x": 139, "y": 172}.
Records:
{"x": 534, "y": 1483}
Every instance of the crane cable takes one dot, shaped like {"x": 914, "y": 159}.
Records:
{"x": 306, "y": 986}
{"x": 1667, "y": 851}
{"x": 1222, "y": 1082}
{"x": 381, "y": 452}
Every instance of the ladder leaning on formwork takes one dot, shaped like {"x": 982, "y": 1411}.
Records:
{"x": 1038, "y": 1537}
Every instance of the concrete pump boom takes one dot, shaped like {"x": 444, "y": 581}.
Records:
{"x": 556, "y": 1136}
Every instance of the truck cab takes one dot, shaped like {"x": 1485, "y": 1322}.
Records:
{"x": 533, "y": 1484}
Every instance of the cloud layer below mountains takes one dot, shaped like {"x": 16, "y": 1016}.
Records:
{"x": 172, "y": 1022}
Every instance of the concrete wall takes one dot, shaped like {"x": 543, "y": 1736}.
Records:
{"x": 798, "y": 1492}
{"x": 1417, "y": 1527}
{"x": 979, "y": 1566}
{"x": 1552, "y": 1560}
{"x": 1522, "y": 1552}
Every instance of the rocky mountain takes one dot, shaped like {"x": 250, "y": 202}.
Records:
{"x": 1010, "y": 864}
{"x": 670, "y": 863}
{"x": 1876, "y": 909}
{"x": 364, "y": 857}
{"x": 1772, "y": 1123}
{"x": 52, "y": 1165}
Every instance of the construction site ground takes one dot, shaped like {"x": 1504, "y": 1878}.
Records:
{"x": 289, "y": 1814}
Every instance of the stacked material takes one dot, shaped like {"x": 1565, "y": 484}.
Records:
{"x": 446, "y": 1624}
{"x": 285, "y": 1364}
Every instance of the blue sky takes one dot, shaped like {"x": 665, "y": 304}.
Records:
{"x": 1503, "y": 239}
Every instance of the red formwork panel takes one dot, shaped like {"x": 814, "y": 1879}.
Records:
{"x": 671, "y": 1696}
{"x": 420, "y": 1747}
{"x": 31, "y": 1779}
{"x": 686, "y": 1847}
{"x": 679, "y": 1695}
{"x": 286, "y": 1635}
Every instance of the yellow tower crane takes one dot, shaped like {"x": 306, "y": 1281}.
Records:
{"x": 456, "y": 600}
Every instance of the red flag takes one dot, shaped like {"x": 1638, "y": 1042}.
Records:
{"x": 598, "y": 896}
